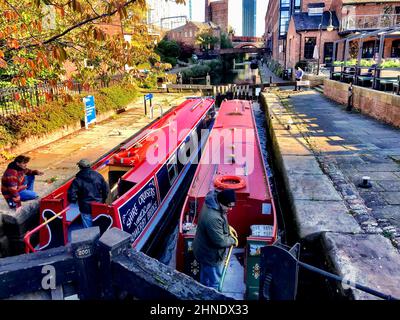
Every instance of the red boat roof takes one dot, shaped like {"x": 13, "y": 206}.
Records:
{"x": 233, "y": 150}
{"x": 163, "y": 139}
{"x": 160, "y": 138}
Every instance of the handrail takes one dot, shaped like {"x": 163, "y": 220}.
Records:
{"x": 27, "y": 237}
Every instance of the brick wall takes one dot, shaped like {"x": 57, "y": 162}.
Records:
{"x": 304, "y": 4}
{"x": 379, "y": 105}
{"x": 295, "y": 47}
{"x": 272, "y": 26}
{"x": 188, "y": 33}
{"x": 219, "y": 14}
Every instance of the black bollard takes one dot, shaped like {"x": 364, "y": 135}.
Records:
{"x": 112, "y": 243}
{"x": 350, "y": 98}
{"x": 84, "y": 249}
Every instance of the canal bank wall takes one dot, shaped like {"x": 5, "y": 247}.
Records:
{"x": 321, "y": 215}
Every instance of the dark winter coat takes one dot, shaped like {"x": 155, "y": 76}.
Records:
{"x": 12, "y": 182}
{"x": 212, "y": 234}
{"x": 88, "y": 186}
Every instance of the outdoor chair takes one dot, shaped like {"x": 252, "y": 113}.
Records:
{"x": 396, "y": 86}
{"x": 348, "y": 75}
{"x": 386, "y": 79}
{"x": 365, "y": 76}
{"x": 336, "y": 73}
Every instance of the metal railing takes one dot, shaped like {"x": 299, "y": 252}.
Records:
{"x": 15, "y": 100}
{"x": 369, "y": 22}
{"x": 27, "y": 238}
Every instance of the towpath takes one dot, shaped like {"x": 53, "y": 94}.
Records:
{"x": 58, "y": 159}
{"x": 354, "y": 145}
{"x": 325, "y": 152}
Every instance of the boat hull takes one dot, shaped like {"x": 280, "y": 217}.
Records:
{"x": 254, "y": 216}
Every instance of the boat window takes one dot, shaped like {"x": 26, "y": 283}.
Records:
{"x": 172, "y": 170}
{"x": 124, "y": 186}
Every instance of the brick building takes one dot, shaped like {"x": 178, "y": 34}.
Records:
{"x": 187, "y": 33}
{"x": 308, "y": 38}
{"x": 292, "y": 27}
{"x": 217, "y": 12}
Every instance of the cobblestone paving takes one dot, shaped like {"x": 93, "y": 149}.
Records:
{"x": 350, "y": 146}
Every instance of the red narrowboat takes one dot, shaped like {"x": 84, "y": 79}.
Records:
{"x": 232, "y": 158}
{"x": 146, "y": 175}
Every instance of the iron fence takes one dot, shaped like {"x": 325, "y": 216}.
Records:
{"x": 15, "y": 100}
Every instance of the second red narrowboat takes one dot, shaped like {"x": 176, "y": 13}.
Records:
{"x": 232, "y": 158}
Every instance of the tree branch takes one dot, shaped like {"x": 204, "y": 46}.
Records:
{"x": 80, "y": 24}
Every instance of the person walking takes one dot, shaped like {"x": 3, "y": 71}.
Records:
{"x": 299, "y": 76}
{"x": 17, "y": 182}
{"x": 88, "y": 186}
{"x": 213, "y": 236}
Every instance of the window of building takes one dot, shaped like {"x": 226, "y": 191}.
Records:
{"x": 309, "y": 47}
{"x": 190, "y": 33}
{"x": 285, "y": 3}
{"x": 328, "y": 53}
{"x": 284, "y": 22}
{"x": 186, "y": 34}
{"x": 369, "y": 48}
{"x": 297, "y": 6}
{"x": 395, "y": 53}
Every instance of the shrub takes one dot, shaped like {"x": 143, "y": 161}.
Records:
{"x": 338, "y": 63}
{"x": 351, "y": 62}
{"x": 171, "y": 60}
{"x": 366, "y": 63}
{"x": 392, "y": 63}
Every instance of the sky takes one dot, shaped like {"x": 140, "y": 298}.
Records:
{"x": 234, "y": 15}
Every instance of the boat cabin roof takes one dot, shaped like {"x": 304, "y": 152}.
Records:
{"x": 153, "y": 146}
{"x": 233, "y": 149}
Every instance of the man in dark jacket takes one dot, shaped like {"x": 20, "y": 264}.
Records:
{"x": 213, "y": 236}
{"x": 17, "y": 182}
{"x": 88, "y": 186}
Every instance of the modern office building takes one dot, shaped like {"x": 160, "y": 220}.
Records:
{"x": 245, "y": 17}
{"x": 249, "y": 18}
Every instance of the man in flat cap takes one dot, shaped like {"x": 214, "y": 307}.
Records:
{"x": 88, "y": 186}
{"x": 213, "y": 236}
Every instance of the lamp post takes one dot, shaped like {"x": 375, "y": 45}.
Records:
{"x": 329, "y": 28}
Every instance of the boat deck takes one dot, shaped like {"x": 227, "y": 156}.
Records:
{"x": 234, "y": 285}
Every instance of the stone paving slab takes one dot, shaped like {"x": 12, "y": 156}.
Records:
{"x": 367, "y": 259}
{"x": 290, "y": 146}
{"x": 312, "y": 187}
{"x": 392, "y": 198}
{"x": 391, "y": 213}
{"x": 314, "y": 217}
{"x": 301, "y": 165}
{"x": 380, "y": 167}
{"x": 389, "y": 185}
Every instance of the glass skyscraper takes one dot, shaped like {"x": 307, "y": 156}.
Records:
{"x": 249, "y": 18}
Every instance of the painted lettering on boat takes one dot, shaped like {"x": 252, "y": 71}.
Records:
{"x": 137, "y": 211}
